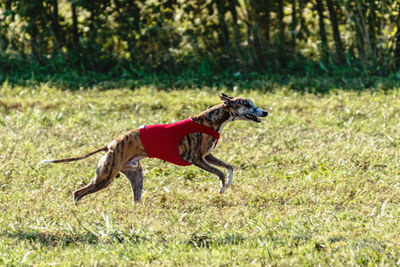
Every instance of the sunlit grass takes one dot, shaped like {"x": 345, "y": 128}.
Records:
{"x": 315, "y": 183}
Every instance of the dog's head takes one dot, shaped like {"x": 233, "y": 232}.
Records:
{"x": 243, "y": 108}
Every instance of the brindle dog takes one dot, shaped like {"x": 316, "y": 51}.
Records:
{"x": 125, "y": 152}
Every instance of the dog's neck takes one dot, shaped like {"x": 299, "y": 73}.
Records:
{"x": 215, "y": 117}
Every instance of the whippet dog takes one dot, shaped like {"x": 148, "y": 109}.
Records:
{"x": 187, "y": 142}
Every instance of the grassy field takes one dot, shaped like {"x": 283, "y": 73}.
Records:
{"x": 317, "y": 182}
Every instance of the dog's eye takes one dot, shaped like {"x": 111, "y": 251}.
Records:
{"x": 247, "y": 105}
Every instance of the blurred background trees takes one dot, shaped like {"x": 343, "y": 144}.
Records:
{"x": 200, "y": 35}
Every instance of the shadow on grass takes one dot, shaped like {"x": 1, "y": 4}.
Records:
{"x": 199, "y": 240}
{"x": 47, "y": 239}
{"x": 65, "y": 240}
{"x": 205, "y": 240}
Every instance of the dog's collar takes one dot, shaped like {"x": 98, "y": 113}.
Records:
{"x": 234, "y": 115}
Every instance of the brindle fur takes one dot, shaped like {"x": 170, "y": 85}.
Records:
{"x": 125, "y": 152}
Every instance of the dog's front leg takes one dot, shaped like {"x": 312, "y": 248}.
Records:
{"x": 217, "y": 162}
{"x": 135, "y": 177}
{"x": 203, "y": 164}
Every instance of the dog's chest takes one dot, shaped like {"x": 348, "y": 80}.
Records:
{"x": 214, "y": 141}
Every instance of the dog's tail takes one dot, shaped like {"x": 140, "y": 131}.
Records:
{"x": 102, "y": 148}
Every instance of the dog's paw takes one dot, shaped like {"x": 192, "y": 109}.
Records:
{"x": 222, "y": 190}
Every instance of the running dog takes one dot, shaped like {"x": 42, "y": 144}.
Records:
{"x": 183, "y": 143}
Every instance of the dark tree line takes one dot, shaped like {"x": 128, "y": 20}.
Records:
{"x": 173, "y": 35}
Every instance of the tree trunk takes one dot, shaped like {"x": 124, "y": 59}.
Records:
{"x": 294, "y": 25}
{"x": 266, "y": 21}
{"x": 75, "y": 33}
{"x": 335, "y": 30}
{"x": 256, "y": 40}
{"x": 371, "y": 25}
{"x": 362, "y": 33}
{"x": 56, "y": 28}
{"x": 224, "y": 34}
{"x": 322, "y": 32}
{"x": 35, "y": 44}
{"x": 281, "y": 24}
{"x": 236, "y": 32}
{"x": 397, "y": 48}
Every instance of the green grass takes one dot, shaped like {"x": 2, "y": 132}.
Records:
{"x": 316, "y": 182}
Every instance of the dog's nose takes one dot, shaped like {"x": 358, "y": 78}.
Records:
{"x": 265, "y": 113}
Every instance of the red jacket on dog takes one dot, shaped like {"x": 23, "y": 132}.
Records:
{"x": 162, "y": 140}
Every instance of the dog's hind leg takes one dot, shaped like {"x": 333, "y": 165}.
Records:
{"x": 107, "y": 168}
{"x": 217, "y": 162}
{"x": 134, "y": 172}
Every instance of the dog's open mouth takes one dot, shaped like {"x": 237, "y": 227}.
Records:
{"x": 252, "y": 118}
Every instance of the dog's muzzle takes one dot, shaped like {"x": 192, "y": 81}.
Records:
{"x": 252, "y": 117}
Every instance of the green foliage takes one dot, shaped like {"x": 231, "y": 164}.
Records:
{"x": 315, "y": 183}
{"x": 120, "y": 38}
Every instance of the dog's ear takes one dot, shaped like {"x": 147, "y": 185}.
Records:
{"x": 226, "y": 99}
{"x": 228, "y": 96}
